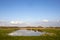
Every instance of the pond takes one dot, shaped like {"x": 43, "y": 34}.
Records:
{"x": 26, "y": 33}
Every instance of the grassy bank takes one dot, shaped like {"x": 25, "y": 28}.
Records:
{"x": 4, "y": 36}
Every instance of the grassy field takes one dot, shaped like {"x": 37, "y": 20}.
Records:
{"x": 54, "y": 35}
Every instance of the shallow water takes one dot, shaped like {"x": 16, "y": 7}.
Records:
{"x": 25, "y": 33}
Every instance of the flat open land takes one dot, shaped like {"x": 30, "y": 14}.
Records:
{"x": 53, "y": 34}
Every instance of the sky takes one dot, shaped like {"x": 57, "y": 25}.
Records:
{"x": 30, "y": 12}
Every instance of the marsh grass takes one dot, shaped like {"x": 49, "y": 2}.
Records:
{"x": 4, "y": 36}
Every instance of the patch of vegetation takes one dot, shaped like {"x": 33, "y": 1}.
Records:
{"x": 56, "y": 32}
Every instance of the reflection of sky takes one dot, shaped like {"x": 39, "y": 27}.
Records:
{"x": 25, "y": 33}
{"x": 30, "y": 10}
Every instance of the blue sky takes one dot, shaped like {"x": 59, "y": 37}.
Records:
{"x": 29, "y": 10}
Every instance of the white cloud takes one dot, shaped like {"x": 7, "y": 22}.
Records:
{"x": 45, "y": 20}
{"x": 16, "y": 22}
{"x": 58, "y": 20}
{"x": 21, "y": 23}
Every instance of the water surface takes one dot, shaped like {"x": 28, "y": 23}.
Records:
{"x": 26, "y": 33}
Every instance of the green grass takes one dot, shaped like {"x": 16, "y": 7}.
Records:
{"x": 4, "y": 36}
